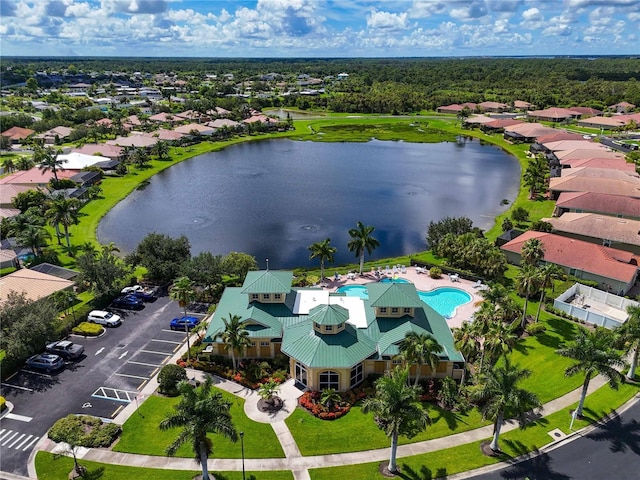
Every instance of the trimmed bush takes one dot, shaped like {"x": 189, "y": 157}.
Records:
{"x": 535, "y": 328}
{"x": 85, "y": 431}
{"x": 169, "y": 377}
{"x": 3, "y": 404}
{"x": 435, "y": 272}
{"x": 88, "y": 329}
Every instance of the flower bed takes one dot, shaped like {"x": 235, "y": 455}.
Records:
{"x": 310, "y": 401}
{"x": 240, "y": 376}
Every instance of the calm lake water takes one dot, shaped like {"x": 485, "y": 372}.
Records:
{"x": 274, "y": 198}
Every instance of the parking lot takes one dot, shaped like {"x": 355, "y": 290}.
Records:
{"x": 115, "y": 367}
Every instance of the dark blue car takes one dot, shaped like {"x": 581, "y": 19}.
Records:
{"x": 128, "y": 302}
{"x": 183, "y": 323}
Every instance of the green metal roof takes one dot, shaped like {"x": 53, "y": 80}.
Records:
{"x": 267, "y": 281}
{"x": 400, "y": 295}
{"x": 315, "y": 350}
{"x": 328, "y": 314}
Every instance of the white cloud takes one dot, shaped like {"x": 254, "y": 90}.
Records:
{"x": 474, "y": 10}
{"x": 387, "y": 21}
{"x": 426, "y": 8}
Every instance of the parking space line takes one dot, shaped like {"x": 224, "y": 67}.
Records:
{"x": 117, "y": 410}
{"x": 10, "y": 385}
{"x": 165, "y": 341}
{"x": 173, "y": 331}
{"x": 37, "y": 373}
{"x": 154, "y": 372}
{"x": 177, "y": 348}
{"x": 131, "y": 376}
{"x": 142, "y": 385}
{"x": 145, "y": 364}
{"x": 154, "y": 352}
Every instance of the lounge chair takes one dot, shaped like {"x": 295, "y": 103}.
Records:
{"x": 478, "y": 284}
{"x": 403, "y": 269}
{"x": 419, "y": 269}
{"x": 336, "y": 276}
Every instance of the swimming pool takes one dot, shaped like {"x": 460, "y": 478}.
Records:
{"x": 444, "y": 300}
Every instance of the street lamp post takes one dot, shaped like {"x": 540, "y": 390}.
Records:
{"x": 242, "y": 446}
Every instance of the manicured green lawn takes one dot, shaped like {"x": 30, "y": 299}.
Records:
{"x": 52, "y": 467}
{"x": 466, "y": 457}
{"x": 141, "y": 434}
{"x": 319, "y": 437}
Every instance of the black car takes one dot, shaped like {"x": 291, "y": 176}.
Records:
{"x": 66, "y": 349}
{"x": 128, "y": 302}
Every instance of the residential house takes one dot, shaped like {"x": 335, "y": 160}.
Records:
{"x": 134, "y": 141}
{"x": 600, "y": 203}
{"x": 165, "y": 135}
{"x": 9, "y": 191}
{"x": 522, "y": 105}
{"x": 554, "y": 114}
{"x": 163, "y": 117}
{"x": 8, "y": 259}
{"x": 35, "y": 285}
{"x": 191, "y": 128}
{"x": 619, "y": 233}
{"x": 55, "y": 270}
{"x": 223, "y": 123}
{"x": 332, "y": 340}
{"x": 603, "y": 123}
{"x": 587, "y": 111}
{"x": 496, "y": 107}
{"x": 527, "y": 132}
{"x": 8, "y": 212}
{"x": 455, "y": 108}
{"x": 55, "y": 135}
{"x": 611, "y": 268}
{"x": 17, "y": 134}
{"x": 609, "y": 163}
{"x": 78, "y": 161}
{"x": 498, "y": 126}
{"x": 622, "y": 107}
{"x": 112, "y": 152}
{"x": 87, "y": 178}
{"x": 33, "y": 178}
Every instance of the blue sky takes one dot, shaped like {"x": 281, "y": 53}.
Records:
{"x": 319, "y": 28}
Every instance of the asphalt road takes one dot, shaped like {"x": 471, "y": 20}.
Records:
{"x": 610, "y": 452}
{"x": 115, "y": 367}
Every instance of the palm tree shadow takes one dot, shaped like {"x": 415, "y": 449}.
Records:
{"x": 453, "y": 419}
{"x": 94, "y": 474}
{"x": 408, "y": 473}
{"x": 621, "y": 436}
{"x": 536, "y": 467}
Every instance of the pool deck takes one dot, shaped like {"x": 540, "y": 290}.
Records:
{"x": 423, "y": 282}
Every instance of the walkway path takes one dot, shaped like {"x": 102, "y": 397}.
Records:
{"x": 293, "y": 460}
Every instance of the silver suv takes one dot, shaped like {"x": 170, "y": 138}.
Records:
{"x": 102, "y": 317}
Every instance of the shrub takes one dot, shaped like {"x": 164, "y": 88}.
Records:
{"x": 169, "y": 377}
{"x": 3, "y": 404}
{"x": 88, "y": 329}
{"x": 448, "y": 395}
{"x": 535, "y": 328}
{"x": 84, "y": 431}
{"x": 310, "y": 401}
{"x": 435, "y": 272}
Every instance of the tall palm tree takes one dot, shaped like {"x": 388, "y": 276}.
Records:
{"x": 236, "y": 336}
{"x": 34, "y": 237}
{"x": 183, "y": 291}
{"x": 200, "y": 410}
{"x": 361, "y": 241}
{"x": 47, "y": 160}
{"x": 528, "y": 280}
{"x": 594, "y": 355}
{"x": 161, "y": 149}
{"x": 536, "y": 175}
{"x": 324, "y": 251}
{"x": 8, "y": 165}
{"x": 396, "y": 409}
{"x": 420, "y": 349}
{"x": 547, "y": 274}
{"x": 630, "y": 335}
{"x": 499, "y": 339}
{"x": 532, "y": 251}
{"x": 498, "y": 388}
{"x": 467, "y": 340}
{"x": 63, "y": 211}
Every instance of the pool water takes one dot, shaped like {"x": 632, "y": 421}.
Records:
{"x": 444, "y": 300}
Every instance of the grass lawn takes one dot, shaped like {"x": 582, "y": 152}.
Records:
{"x": 466, "y": 457}
{"x": 52, "y": 467}
{"x": 143, "y": 436}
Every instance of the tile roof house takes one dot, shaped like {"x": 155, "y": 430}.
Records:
{"x": 136, "y": 141}
{"x": 35, "y": 285}
{"x": 622, "y": 107}
{"x": 589, "y": 202}
{"x": 332, "y": 340}
{"x": 8, "y": 193}
{"x": 17, "y": 134}
{"x": 583, "y": 154}
{"x": 628, "y": 187}
{"x": 587, "y": 111}
{"x": 8, "y": 258}
{"x": 521, "y": 105}
{"x": 112, "y": 152}
{"x": 554, "y": 114}
{"x": 59, "y": 133}
{"x": 494, "y": 106}
{"x": 607, "y": 266}
{"x": 527, "y": 132}
{"x": 455, "y": 108}
{"x": 194, "y": 127}
{"x": 619, "y": 233}
{"x": 222, "y": 123}
{"x": 165, "y": 135}
{"x": 616, "y": 163}
{"x": 33, "y": 178}
{"x": 499, "y": 125}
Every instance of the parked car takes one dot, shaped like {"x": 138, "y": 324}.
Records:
{"x": 183, "y": 323}
{"x": 102, "y": 317}
{"x": 145, "y": 293}
{"x": 128, "y": 302}
{"x": 66, "y": 349}
{"x": 47, "y": 362}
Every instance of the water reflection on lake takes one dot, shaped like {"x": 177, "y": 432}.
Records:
{"x": 274, "y": 198}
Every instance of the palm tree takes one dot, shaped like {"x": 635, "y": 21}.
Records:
{"x": 268, "y": 390}
{"x": 324, "y": 251}
{"x": 536, "y": 174}
{"x": 420, "y": 349}
{"x": 34, "y": 237}
{"x": 24, "y": 163}
{"x": 63, "y": 211}
{"x": 236, "y": 336}
{"x": 161, "y": 149}
{"x": 362, "y": 240}
{"x": 183, "y": 291}
{"x": 532, "y": 251}
{"x": 594, "y": 355}
{"x": 8, "y": 165}
{"x": 467, "y": 340}
{"x": 499, "y": 339}
{"x": 329, "y": 397}
{"x": 396, "y": 409}
{"x": 630, "y": 335}
{"x": 48, "y": 160}
{"x": 528, "y": 282}
{"x": 200, "y": 410}
{"x": 498, "y": 387}
{"x": 547, "y": 274}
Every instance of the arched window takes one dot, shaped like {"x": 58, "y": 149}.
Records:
{"x": 329, "y": 379}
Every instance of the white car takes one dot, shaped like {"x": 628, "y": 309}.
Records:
{"x": 102, "y": 317}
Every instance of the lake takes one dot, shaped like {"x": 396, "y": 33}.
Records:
{"x": 274, "y": 198}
